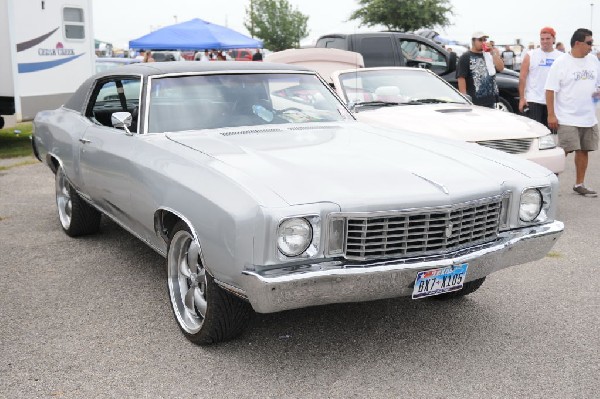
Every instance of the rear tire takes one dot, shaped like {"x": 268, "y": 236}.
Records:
{"x": 206, "y": 314}
{"x": 468, "y": 288}
{"x": 76, "y": 216}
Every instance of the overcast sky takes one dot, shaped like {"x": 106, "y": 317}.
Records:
{"x": 119, "y": 21}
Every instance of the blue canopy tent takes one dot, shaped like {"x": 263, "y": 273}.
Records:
{"x": 194, "y": 34}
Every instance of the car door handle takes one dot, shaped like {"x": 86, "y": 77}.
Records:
{"x": 85, "y": 141}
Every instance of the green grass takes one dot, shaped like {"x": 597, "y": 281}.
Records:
{"x": 16, "y": 145}
{"x": 554, "y": 254}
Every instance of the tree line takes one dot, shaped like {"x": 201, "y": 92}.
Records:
{"x": 281, "y": 26}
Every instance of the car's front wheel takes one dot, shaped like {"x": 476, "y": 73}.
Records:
{"x": 76, "y": 216}
{"x": 205, "y": 313}
{"x": 503, "y": 105}
{"x": 468, "y": 288}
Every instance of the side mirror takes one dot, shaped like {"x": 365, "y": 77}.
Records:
{"x": 121, "y": 120}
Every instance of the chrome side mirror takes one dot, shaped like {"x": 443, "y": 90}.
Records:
{"x": 122, "y": 120}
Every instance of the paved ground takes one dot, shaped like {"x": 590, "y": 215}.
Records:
{"x": 90, "y": 318}
{"x": 9, "y": 121}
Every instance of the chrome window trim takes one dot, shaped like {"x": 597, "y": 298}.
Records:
{"x": 151, "y": 78}
{"x": 88, "y": 97}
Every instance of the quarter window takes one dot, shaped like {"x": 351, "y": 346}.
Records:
{"x": 333, "y": 42}
{"x": 377, "y": 51}
{"x": 115, "y": 95}
{"x": 74, "y": 23}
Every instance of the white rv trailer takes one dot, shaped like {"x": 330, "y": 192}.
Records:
{"x": 47, "y": 51}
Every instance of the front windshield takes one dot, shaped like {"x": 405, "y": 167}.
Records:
{"x": 196, "y": 102}
{"x": 401, "y": 86}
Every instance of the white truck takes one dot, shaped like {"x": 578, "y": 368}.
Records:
{"x": 47, "y": 51}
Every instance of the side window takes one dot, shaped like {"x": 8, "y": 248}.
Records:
{"x": 333, "y": 42}
{"x": 377, "y": 51}
{"x": 74, "y": 23}
{"x": 419, "y": 54}
{"x": 114, "y": 95}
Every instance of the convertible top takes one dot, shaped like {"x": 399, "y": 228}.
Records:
{"x": 161, "y": 68}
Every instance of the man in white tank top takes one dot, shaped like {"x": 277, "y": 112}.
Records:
{"x": 534, "y": 71}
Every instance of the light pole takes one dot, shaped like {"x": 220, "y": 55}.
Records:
{"x": 251, "y": 19}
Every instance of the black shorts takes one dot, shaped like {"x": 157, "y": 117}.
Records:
{"x": 538, "y": 112}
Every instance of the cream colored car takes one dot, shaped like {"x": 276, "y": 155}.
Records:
{"x": 416, "y": 99}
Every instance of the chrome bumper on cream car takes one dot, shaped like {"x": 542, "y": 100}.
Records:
{"x": 342, "y": 281}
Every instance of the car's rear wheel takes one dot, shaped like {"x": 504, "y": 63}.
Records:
{"x": 77, "y": 217}
{"x": 468, "y": 288}
{"x": 205, "y": 313}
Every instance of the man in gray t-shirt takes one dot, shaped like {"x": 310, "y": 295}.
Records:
{"x": 508, "y": 56}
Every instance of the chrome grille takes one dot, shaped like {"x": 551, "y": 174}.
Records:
{"x": 422, "y": 231}
{"x": 512, "y": 146}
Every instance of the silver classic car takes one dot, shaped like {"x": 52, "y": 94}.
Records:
{"x": 264, "y": 193}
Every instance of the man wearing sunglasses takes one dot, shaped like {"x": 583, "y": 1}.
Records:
{"x": 571, "y": 87}
{"x": 532, "y": 78}
{"x": 476, "y": 71}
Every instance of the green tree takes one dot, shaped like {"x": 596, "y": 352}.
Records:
{"x": 276, "y": 23}
{"x": 404, "y": 15}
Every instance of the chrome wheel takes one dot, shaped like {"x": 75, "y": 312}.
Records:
{"x": 503, "y": 105}
{"x": 63, "y": 199}
{"x": 187, "y": 282}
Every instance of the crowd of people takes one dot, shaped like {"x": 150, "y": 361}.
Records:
{"x": 558, "y": 89}
{"x": 206, "y": 55}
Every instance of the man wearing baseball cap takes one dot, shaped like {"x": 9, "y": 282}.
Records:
{"x": 534, "y": 72}
{"x": 571, "y": 90}
{"x": 476, "y": 71}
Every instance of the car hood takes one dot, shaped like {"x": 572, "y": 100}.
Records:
{"x": 462, "y": 122}
{"x": 350, "y": 163}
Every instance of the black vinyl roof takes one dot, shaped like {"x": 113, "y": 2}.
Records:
{"x": 77, "y": 100}
{"x": 160, "y": 68}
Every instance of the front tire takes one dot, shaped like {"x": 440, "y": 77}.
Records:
{"x": 76, "y": 216}
{"x": 205, "y": 313}
{"x": 468, "y": 288}
{"x": 503, "y": 105}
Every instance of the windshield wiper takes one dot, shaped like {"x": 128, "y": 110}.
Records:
{"x": 376, "y": 104}
{"x": 435, "y": 101}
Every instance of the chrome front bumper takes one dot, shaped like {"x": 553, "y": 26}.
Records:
{"x": 342, "y": 281}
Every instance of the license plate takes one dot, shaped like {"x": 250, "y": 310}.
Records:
{"x": 439, "y": 281}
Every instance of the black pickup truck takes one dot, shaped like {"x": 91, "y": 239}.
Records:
{"x": 406, "y": 49}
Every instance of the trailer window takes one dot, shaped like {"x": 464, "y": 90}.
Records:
{"x": 74, "y": 23}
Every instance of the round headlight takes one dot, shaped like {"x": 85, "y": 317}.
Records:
{"x": 294, "y": 236}
{"x": 531, "y": 204}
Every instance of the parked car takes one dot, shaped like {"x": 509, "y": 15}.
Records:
{"x": 417, "y": 99}
{"x": 106, "y": 63}
{"x": 167, "y": 55}
{"x": 381, "y": 49}
{"x": 243, "y": 54}
{"x": 263, "y": 192}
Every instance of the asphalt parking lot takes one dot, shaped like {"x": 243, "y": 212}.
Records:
{"x": 90, "y": 318}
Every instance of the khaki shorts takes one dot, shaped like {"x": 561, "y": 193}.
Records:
{"x": 573, "y": 138}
